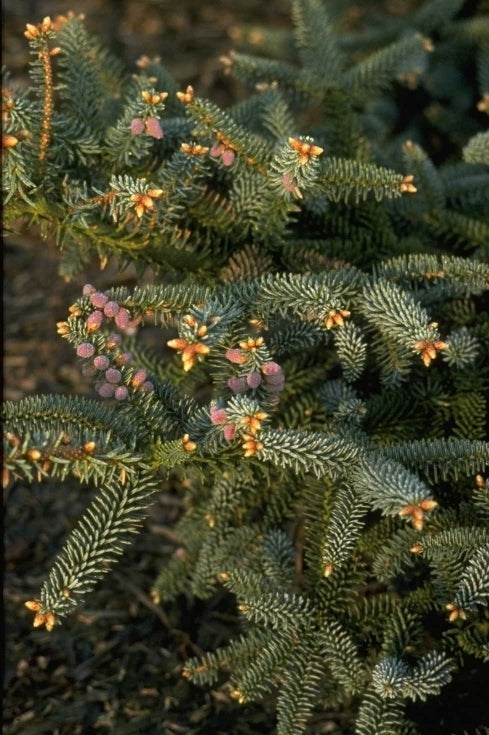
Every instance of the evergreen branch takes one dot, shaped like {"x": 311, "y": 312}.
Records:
{"x": 475, "y": 641}
{"x": 462, "y": 537}
{"x": 441, "y": 458}
{"x": 378, "y": 715}
{"x": 300, "y": 688}
{"x": 393, "y": 678}
{"x": 477, "y": 149}
{"x": 307, "y": 452}
{"x": 97, "y": 541}
{"x": 352, "y": 351}
{"x": 473, "y": 589}
{"x": 433, "y": 15}
{"x": 278, "y": 557}
{"x": 432, "y": 671}
{"x": 277, "y": 230}
{"x": 390, "y": 487}
{"x": 343, "y": 180}
{"x": 429, "y": 185}
{"x": 227, "y": 132}
{"x": 379, "y": 70}
{"x": 452, "y": 225}
{"x": 407, "y": 323}
{"x": 276, "y": 116}
{"x": 297, "y": 85}
{"x": 459, "y": 276}
{"x": 260, "y": 601}
{"x": 395, "y": 557}
{"x": 88, "y": 77}
{"x": 263, "y": 672}
{"x": 465, "y": 186}
{"x": 402, "y": 631}
{"x": 173, "y": 577}
{"x": 307, "y": 294}
{"x": 316, "y": 42}
{"x": 344, "y": 526}
{"x": 206, "y": 669}
{"x": 82, "y": 418}
{"x": 342, "y": 656}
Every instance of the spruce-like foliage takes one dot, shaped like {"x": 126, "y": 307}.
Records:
{"x": 324, "y": 391}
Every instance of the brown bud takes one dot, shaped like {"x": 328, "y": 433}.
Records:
{"x": 12, "y": 439}
{"x": 5, "y": 477}
{"x": 50, "y": 620}
{"x": 33, "y": 605}
{"x": 46, "y": 24}
{"x": 9, "y": 141}
{"x": 34, "y": 454}
{"x": 188, "y": 444}
{"x": 177, "y": 344}
{"x": 63, "y": 328}
{"x": 406, "y": 185}
{"x": 32, "y": 32}
{"x": 39, "y": 620}
{"x": 186, "y": 96}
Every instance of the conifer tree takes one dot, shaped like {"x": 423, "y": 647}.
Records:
{"x": 324, "y": 389}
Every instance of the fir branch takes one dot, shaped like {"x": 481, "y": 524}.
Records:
{"x": 428, "y": 183}
{"x": 344, "y": 526}
{"x": 378, "y": 715}
{"x": 379, "y": 70}
{"x": 263, "y": 672}
{"x": 433, "y": 671}
{"x": 477, "y": 149}
{"x": 351, "y": 348}
{"x": 316, "y": 42}
{"x": 388, "y": 485}
{"x": 433, "y": 15}
{"x": 441, "y": 459}
{"x": 342, "y": 656}
{"x": 307, "y": 452}
{"x": 393, "y": 678}
{"x": 402, "y": 632}
{"x": 78, "y": 416}
{"x": 97, "y": 541}
{"x": 299, "y": 691}
{"x": 473, "y": 589}
{"x": 273, "y": 607}
{"x": 297, "y": 85}
{"x": 458, "y": 276}
{"x": 343, "y": 180}
{"x": 205, "y": 669}
{"x": 407, "y": 324}
{"x": 468, "y": 537}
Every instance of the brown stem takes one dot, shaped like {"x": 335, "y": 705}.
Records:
{"x": 47, "y": 110}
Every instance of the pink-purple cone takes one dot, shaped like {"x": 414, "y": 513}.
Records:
{"x": 137, "y": 126}
{"x": 112, "y": 375}
{"x": 153, "y": 127}
{"x": 101, "y": 362}
{"x": 86, "y": 349}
